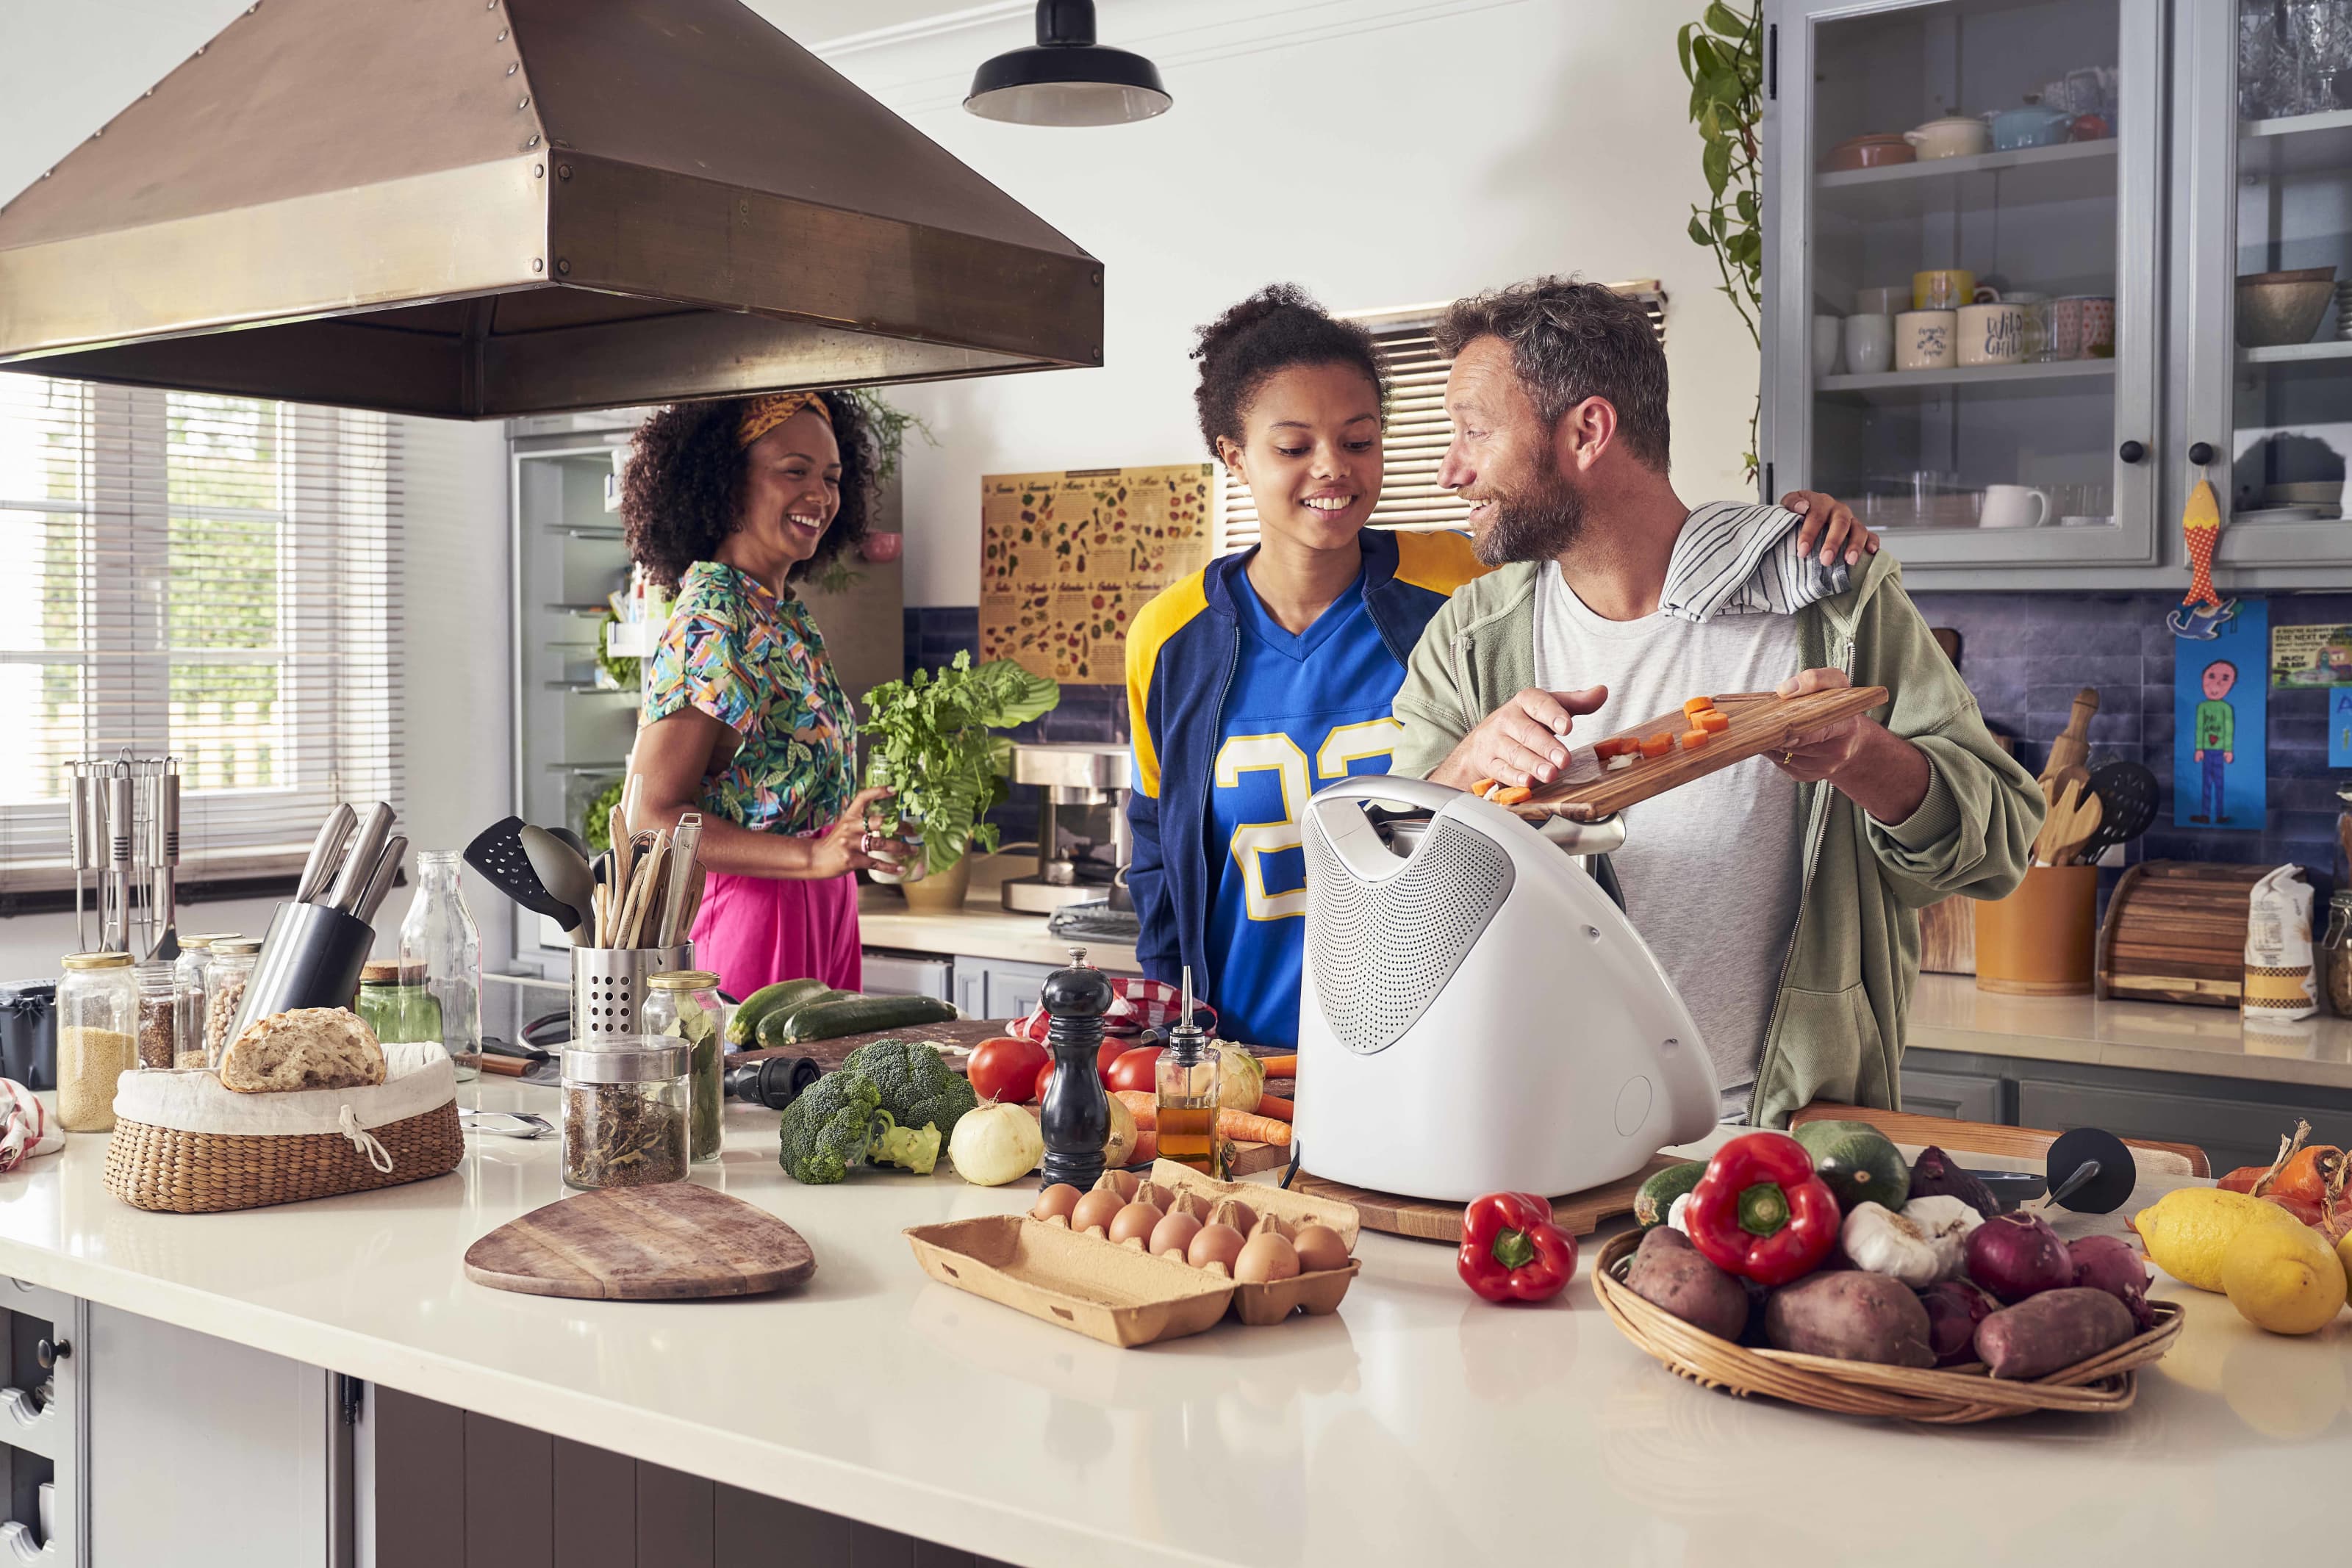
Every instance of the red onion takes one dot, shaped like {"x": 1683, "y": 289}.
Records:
{"x": 1954, "y": 1307}
{"x": 1932, "y": 1174}
{"x": 2018, "y": 1255}
{"x": 2107, "y": 1263}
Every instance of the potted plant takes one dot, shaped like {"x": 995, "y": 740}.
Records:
{"x": 931, "y": 738}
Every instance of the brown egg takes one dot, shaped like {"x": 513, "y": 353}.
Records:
{"x": 1265, "y": 1258}
{"x": 1136, "y": 1222}
{"x": 1098, "y": 1208}
{"x": 1244, "y": 1218}
{"x": 1320, "y": 1247}
{"x": 1126, "y": 1182}
{"x": 1214, "y": 1243}
{"x": 1056, "y": 1202}
{"x": 1174, "y": 1232}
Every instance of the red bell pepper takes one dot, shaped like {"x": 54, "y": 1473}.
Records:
{"x": 1760, "y": 1212}
{"x": 1511, "y": 1252}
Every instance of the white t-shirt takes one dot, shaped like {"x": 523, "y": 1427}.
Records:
{"x": 1711, "y": 871}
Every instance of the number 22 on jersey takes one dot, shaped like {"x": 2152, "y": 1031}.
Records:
{"x": 1345, "y": 746}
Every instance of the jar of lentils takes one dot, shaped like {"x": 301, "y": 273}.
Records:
{"x": 226, "y": 979}
{"x": 188, "y": 979}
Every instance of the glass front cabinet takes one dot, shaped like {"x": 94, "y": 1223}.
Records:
{"x": 2035, "y": 266}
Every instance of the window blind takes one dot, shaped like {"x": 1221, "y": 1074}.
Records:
{"x": 214, "y": 577}
{"x": 1414, "y": 441}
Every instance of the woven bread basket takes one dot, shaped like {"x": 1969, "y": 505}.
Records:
{"x": 1948, "y": 1396}
{"x": 182, "y": 1156}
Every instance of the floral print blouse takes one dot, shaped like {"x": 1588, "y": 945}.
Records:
{"x": 757, "y": 664}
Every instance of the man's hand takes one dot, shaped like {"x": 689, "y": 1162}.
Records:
{"x": 1524, "y": 742}
{"x": 1882, "y": 773}
{"x": 1829, "y": 521}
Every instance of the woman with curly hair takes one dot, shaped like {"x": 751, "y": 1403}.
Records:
{"x": 731, "y": 502}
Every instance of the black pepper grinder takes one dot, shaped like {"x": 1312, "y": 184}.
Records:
{"x": 1076, "y": 1117}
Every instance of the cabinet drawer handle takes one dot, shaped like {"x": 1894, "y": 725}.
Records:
{"x": 2201, "y": 454}
{"x": 47, "y": 1354}
{"x": 2131, "y": 452}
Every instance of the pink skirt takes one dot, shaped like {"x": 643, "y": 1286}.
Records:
{"x": 753, "y": 931}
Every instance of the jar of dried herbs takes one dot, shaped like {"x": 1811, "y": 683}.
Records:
{"x": 627, "y": 1106}
{"x": 684, "y": 1005}
{"x": 159, "y": 1022}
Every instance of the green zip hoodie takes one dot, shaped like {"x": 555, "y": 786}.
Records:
{"x": 1838, "y": 1020}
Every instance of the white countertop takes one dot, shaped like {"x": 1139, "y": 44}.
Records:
{"x": 1417, "y": 1426}
{"x": 1948, "y": 1013}
{"x": 984, "y": 928}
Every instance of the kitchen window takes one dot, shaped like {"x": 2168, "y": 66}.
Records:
{"x": 1414, "y": 445}
{"x": 215, "y": 577}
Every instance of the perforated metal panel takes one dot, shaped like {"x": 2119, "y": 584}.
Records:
{"x": 1381, "y": 951}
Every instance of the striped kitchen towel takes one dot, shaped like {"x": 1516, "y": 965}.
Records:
{"x": 1736, "y": 560}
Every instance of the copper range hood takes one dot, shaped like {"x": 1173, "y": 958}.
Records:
{"x": 481, "y": 208}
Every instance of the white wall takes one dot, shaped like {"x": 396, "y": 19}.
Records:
{"x": 1382, "y": 152}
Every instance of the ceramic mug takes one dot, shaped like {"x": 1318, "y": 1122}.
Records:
{"x": 1992, "y": 334}
{"x": 1923, "y": 340}
{"x": 1945, "y": 288}
{"x": 1825, "y": 345}
{"x": 2082, "y": 327}
{"x": 2013, "y": 506}
{"x": 1882, "y": 301}
{"x": 1954, "y": 136}
{"x": 1869, "y": 344}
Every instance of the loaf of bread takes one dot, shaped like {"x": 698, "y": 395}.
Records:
{"x": 309, "y": 1048}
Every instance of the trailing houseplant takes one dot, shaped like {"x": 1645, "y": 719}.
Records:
{"x": 1723, "y": 58}
{"x": 932, "y": 739}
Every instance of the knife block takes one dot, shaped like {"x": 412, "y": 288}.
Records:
{"x": 310, "y": 958}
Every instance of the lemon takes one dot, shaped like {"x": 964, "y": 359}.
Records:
{"x": 2186, "y": 1230}
{"x": 2283, "y": 1278}
{"x": 2343, "y": 1256}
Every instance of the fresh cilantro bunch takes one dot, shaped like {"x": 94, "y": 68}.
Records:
{"x": 929, "y": 738}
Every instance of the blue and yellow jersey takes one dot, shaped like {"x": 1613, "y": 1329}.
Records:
{"x": 1235, "y": 723}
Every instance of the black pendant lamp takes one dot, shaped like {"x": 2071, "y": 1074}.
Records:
{"x": 1067, "y": 78}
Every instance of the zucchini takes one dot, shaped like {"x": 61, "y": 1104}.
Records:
{"x": 1657, "y": 1197}
{"x": 1863, "y": 1167}
{"x": 770, "y": 1033}
{"x": 863, "y": 1015}
{"x": 762, "y": 1002}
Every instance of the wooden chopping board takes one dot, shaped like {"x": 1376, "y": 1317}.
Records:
{"x": 665, "y": 1243}
{"x": 1578, "y": 1213}
{"x": 1761, "y": 722}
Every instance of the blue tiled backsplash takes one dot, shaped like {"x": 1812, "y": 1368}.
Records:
{"x": 2023, "y": 654}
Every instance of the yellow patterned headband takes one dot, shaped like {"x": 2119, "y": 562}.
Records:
{"x": 768, "y": 411}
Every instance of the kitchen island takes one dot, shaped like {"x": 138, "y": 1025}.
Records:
{"x": 1418, "y": 1425}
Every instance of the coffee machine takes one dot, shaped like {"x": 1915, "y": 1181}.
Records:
{"x": 1083, "y": 846}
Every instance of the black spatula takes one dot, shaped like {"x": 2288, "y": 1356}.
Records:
{"x": 498, "y": 854}
{"x": 2127, "y": 793}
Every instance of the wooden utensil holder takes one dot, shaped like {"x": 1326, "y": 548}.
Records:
{"x": 2037, "y": 942}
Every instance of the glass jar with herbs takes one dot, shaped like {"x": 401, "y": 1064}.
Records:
{"x": 684, "y": 1004}
{"x": 98, "y": 1012}
{"x": 188, "y": 981}
{"x": 2336, "y": 955}
{"x": 627, "y": 1106}
{"x": 159, "y": 1016}
{"x": 226, "y": 979}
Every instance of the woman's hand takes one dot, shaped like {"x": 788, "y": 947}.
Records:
{"x": 1832, "y": 524}
{"x": 853, "y": 845}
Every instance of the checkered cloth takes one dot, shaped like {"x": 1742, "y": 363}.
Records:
{"x": 1136, "y": 1005}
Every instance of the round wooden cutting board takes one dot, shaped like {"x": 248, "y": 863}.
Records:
{"x": 671, "y": 1242}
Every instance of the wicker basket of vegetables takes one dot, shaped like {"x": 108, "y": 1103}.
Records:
{"x": 1776, "y": 1275}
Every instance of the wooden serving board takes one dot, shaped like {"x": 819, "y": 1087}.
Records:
{"x": 665, "y": 1243}
{"x": 1761, "y": 722}
{"x": 1420, "y": 1219}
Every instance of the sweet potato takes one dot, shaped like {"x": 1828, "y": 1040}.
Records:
{"x": 1669, "y": 1273}
{"x": 2043, "y": 1333}
{"x": 1852, "y": 1316}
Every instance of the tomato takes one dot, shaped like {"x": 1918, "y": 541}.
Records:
{"x": 1136, "y": 1069}
{"x": 1005, "y": 1068}
{"x": 1044, "y": 1076}
{"x": 1110, "y": 1050}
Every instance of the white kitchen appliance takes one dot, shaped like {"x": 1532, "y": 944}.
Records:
{"x": 1477, "y": 1014}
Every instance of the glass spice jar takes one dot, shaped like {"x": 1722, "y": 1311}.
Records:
{"x": 225, "y": 977}
{"x": 188, "y": 979}
{"x": 394, "y": 1002}
{"x": 159, "y": 1016}
{"x": 684, "y": 1004}
{"x": 626, "y": 1106}
{"x": 2336, "y": 955}
{"x": 97, "y": 1010}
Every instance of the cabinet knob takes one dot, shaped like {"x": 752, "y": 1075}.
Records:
{"x": 49, "y": 1353}
{"x": 2131, "y": 452}
{"x": 2200, "y": 453}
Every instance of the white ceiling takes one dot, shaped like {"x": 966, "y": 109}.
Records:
{"x": 815, "y": 22}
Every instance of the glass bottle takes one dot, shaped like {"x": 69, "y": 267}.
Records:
{"x": 625, "y": 1110}
{"x": 97, "y": 1009}
{"x": 225, "y": 977}
{"x": 2336, "y": 955}
{"x": 188, "y": 979}
{"x": 684, "y": 1004}
{"x": 1185, "y": 1084}
{"x": 439, "y": 935}
{"x": 394, "y": 1003}
{"x": 159, "y": 1016}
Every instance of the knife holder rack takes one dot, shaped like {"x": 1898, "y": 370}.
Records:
{"x": 608, "y": 985}
{"x": 310, "y": 958}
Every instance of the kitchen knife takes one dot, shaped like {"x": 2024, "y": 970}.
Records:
{"x": 359, "y": 865}
{"x": 379, "y": 882}
{"x": 326, "y": 854}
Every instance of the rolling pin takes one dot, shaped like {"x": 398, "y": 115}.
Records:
{"x": 2072, "y": 749}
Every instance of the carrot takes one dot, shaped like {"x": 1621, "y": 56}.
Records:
{"x": 1512, "y": 796}
{"x": 1279, "y": 1066}
{"x": 1247, "y": 1129}
{"x": 1275, "y": 1106}
{"x": 1714, "y": 721}
{"x": 1480, "y": 786}
{"x": 1695, "y": 740}
{"x": 1657, "y": 745}
{"x": 1699, "y": 704}
{"x": 1146, "y": 1107}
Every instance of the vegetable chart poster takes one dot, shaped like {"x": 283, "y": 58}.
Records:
{"x": 2220, "y": 716}
{"x": 1066, "y": 559}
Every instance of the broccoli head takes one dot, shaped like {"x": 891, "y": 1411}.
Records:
{"x": 829, "y": 1126}
{"x": 912, "y": 1148}
{"x": 918, "y": 1088}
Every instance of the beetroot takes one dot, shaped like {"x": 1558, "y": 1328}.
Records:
{"x": 2018, "y": 1255}
{"x": 1954, "y": 1307}
{"x": 1932, "y": 1174}
{"x": 2107, "y": 1263}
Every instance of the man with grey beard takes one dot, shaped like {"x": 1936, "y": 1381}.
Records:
{"x": 1779, "y": 894}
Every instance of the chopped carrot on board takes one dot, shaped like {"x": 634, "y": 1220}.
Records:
{"x": 1695, "y": 740}
{"x": 1480, "y": 786}
{"x": 1512, "y": 796}
{"x": 1657, "y": 745}
{"x": 1714, "y": 721}
{"x": 1699, "y": 704}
